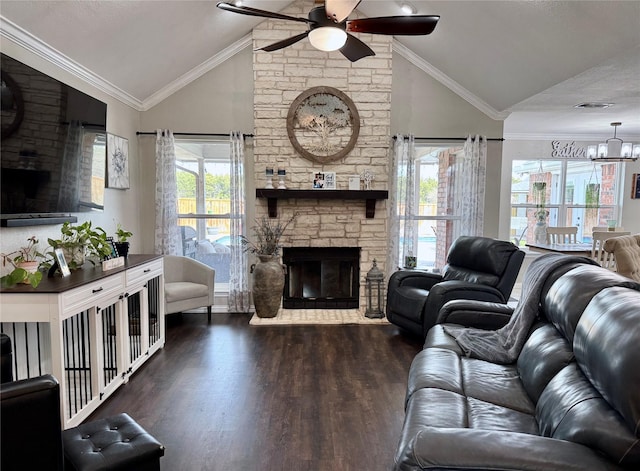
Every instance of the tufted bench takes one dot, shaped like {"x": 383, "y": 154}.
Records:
{"x": 116, "y": 443}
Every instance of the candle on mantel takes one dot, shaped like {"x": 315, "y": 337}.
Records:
{"x": 268, "y": 172}
{"x": 282, "y": 171}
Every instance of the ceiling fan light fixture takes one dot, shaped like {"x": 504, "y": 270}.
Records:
{"x": 408, "y": 9}
{"x": 327, "y": 38}
{"x": 614, "y": 149}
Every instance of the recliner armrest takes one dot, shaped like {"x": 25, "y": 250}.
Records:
{"x": 472, "y": 313}
{"x": 446, "y": 291}
{"x": 414, "y": 278}
{"x": 31, "y": 424}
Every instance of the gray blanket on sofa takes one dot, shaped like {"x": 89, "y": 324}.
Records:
{"x": 504, "y": 345}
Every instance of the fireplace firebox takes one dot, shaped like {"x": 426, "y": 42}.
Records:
{"x": 321, "y": 277}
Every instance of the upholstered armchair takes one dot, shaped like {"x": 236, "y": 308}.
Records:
{"x": 188, "y": 284}
{"x": 478, "y": 268}
{"x": 626, "y": 251}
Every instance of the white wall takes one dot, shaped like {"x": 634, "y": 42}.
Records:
{"x": 541, "y": 149}
{"x": 120, "y": 205}
{"x": 220, "y": 101}
{"x": 426, "y": 108}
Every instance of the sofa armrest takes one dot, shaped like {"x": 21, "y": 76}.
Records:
{"x": 455, "y": 449}
{"x": 414, "y": 278}
{"x": 471, "y": 313}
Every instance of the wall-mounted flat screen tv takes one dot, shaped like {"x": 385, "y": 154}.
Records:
{"x": 53, "y": 148}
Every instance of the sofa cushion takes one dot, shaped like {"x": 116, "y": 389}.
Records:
{"x": 570, "y": 408}
{"x": 544, "y": 354}
{"x": 495, "y": 398}
{"x": 608, "y": 352}
{"x": 570, "y": 294}
{"x": 179, "y": 290}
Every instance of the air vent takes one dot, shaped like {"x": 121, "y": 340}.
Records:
{"x": 592, "y": 106}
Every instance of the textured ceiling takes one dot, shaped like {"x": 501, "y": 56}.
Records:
{"x": 533, "y": 59}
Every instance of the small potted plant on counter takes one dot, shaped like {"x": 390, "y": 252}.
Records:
{"x": 122, "y": 241}
{"x": 25, "y": 262}
{"x": 79, "y": 241}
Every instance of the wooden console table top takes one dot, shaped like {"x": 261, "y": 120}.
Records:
{"x": 87, "y": 274}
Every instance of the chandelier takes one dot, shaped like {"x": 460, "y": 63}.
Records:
{"x": 614, "y": 149}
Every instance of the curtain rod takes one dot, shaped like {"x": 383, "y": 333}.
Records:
{"x": 147, "y": 133}
{"x": 451, "y": 138}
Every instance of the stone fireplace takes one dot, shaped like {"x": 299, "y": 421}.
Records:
{"x": 321, "y": 277}
{"x": 279, "y": 78}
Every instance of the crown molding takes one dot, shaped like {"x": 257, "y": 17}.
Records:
{"x": 197, "y": 72}
{"x": 23, "y": 38}
{"x": 448, "y": 82}
{"x": 595, "y": 138}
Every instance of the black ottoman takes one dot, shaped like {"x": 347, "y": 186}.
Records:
{"x": 116, "y": 443}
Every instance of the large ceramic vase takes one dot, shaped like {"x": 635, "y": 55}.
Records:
{"x": 268, "y": 283}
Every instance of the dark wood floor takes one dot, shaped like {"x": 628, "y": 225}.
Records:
{"x": 229, "y": 396}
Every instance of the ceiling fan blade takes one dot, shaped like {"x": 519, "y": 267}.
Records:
{"x": 338, "y": 10}
{"x": 354, "y": 49}
{"x": 395, "y": 25}
{"x": 284, "y": 42}
{"x": 261, "y": 13}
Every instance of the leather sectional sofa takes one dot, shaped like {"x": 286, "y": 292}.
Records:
{"x": 571, "y": 401}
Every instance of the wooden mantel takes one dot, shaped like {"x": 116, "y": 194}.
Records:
{"x": 370, "y": 196}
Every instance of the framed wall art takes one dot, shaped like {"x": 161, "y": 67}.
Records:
{"x": 635, "y": 186}
{"x": 117, "y": 162}
{"x": 323, "y": 124}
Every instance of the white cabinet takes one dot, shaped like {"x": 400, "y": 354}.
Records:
{"x": 90, "y": 330}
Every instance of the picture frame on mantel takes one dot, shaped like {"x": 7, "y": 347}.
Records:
{"x": 324, "y": 180}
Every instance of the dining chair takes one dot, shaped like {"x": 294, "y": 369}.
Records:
{"x": 606, "y": 228}
{"x": 598, "y": 254}
{"x": 562, "y": 235}
{"x": 626, "y": 250}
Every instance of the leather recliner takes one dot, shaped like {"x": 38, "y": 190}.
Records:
{"x": 478, "y": 268}
{"x": 32, "y": 435}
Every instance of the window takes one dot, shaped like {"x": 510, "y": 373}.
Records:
{"x": 203, "y": 180}
{"x": 567, "y": 192}
{"x": 434, "y": 214}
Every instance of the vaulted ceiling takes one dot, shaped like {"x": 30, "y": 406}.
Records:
{"x": 528, "y": 61}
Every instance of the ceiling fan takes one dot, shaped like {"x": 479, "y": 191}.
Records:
{"x": 330, "y": 28}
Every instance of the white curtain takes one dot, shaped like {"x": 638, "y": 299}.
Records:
{"x": 402, "y": 202}
{"x": 167, "y": 240}
{"x": 469, "y": 187}
{"x": 70, "y": 170}
{"x": 239, "y": 300}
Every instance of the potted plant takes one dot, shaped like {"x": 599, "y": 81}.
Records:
{"x": 122, "y": 244}
{"x": 268, "y": 273}
{"x": 25, "y": 262}
{"x": 79, "y": 241}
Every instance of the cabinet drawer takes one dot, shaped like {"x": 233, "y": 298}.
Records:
{"x": 142, "y": 273}
{"x": 79, "y": 299}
